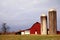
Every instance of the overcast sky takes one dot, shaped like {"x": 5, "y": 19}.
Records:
{"x": 22, "y": 14}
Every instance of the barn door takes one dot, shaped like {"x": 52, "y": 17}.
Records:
{"x": 35, "y": 32}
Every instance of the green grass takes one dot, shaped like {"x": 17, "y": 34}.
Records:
{"x": 29, "y": 37}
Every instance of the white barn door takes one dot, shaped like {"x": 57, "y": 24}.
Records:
{"x": 35, "y": 32}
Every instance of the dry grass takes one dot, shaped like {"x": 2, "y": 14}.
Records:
{"x": 29, "y": 37}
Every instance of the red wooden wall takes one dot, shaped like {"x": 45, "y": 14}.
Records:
{"x": 36, "y": 27}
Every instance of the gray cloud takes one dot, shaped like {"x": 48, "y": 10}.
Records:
{"x": 24, "y": 13}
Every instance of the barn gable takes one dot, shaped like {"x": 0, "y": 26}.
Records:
{"x": 36, "y": 28}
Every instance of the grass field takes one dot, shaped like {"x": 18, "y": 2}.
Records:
{"x": 29, "y": 37}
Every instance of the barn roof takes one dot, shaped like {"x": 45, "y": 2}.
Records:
{"x": 29, "y": 28}
{"x": 35, "y": 24}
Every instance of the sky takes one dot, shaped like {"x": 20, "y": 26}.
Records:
{"x": 22, "y": 14}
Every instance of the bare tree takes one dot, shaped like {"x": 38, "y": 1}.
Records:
{"x": 4, "y": 28}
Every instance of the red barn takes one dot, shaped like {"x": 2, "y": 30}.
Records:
{"x": 36, "y": 28}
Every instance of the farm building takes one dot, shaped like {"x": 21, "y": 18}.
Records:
{"x": 35, "y": 29}
{"x": 42, "y": 28}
